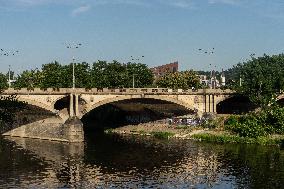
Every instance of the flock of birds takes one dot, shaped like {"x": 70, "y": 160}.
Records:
{"x": 137, "y": 59}
{"x": 211, "y": 51}
{"x": 3, "y": 52}
{"x": 73, "y": 45}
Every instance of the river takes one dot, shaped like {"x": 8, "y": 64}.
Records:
{"x": 111, "y": 161}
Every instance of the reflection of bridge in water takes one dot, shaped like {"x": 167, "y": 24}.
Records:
{"x": 108, "y": 161}
{"x": 68, "y": 103}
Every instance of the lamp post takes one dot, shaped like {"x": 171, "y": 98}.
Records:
{"x": 3, "y": 52}
{"x": 133, "y": 60}
{"x": 9, "y": 74}
{"x": 73, "y": 46}
{"x": 212, "y": 80}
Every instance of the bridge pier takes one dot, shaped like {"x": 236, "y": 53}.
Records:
{"x": 210, "y": 103}
{"x": 72, "y": 129}
{"x": 74, "y": 105}
{"x": 71, "y": 109}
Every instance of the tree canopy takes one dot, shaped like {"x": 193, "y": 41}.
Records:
{"x": 261, "y": 78}
{"x": 100, "y": 74}
{"x": 179, "y": 80}
{"x": 3, "y": 81}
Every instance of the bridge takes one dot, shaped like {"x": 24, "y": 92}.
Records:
{"x": 82, "y": 101}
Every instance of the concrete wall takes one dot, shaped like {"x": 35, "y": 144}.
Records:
{"x": 52, "y": 128}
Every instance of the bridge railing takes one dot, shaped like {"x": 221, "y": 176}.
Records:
{"x": 114, "y": 91}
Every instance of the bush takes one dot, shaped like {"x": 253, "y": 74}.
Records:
{"x": 253, "y": 125}
{"x": 275, "y": 118}
{"x": 237, "y": 139}
{"x": 162, "y": 135}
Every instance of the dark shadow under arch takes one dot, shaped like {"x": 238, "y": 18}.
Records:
{"x": 132, "y": 112}
{"x": 235, "y": 105}
{"x": 22, "y": 115}
{"x": 62, "y": 103}
{"x": 280, "y": 102}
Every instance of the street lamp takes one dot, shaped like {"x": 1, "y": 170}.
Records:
{"x": 3, "y": 52}
{"x": 73, "y": 46}
{"x": 210, "y": 52}
{"x": 133, "y": 60}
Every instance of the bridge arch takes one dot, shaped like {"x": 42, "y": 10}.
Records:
{"x": 36, "y": 103}
{"x": 121, "y": 98}
{"x": 234, "y": 105}
{"x": 42, "y": 101}
{"x": 280, "y": 100}
{"x": 58, "y": 99}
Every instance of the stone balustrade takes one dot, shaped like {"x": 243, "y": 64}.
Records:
{"x": 115, "y": 91}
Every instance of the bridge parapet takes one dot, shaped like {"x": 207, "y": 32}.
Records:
{"x": 116, "y": 91}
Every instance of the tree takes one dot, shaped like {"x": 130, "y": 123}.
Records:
{"x": 115, "y": 75}
{"x": 141, "y": 74}
{"x": 98, "y": 75}
{"x": 262, "y": 78}
{"x": 51, "y": 75}
{"x": 3, "y": 82}
{"x": 29, "y": 79}
{"x": 82, "y": 74}
{"x": 179, "y": 80}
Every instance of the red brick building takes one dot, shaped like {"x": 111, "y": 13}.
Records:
{"x": 160, "y": 71}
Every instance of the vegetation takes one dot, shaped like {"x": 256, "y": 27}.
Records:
{"x": 3, "y": 81}
{"x": 256, "y": 124}
{"x": 100, "y": 74}
{"x": 238, "y": 139}
{"x": 9, "y": 105}
{"x": 179, "y": 80}
{"x": 261, "y": 78}
{"x": 162, "y": 135}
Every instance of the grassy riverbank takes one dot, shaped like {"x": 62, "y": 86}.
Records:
{"x": 214, "y": 131}
{"x": 223, "y": 138}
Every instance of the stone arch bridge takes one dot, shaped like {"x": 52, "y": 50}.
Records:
{"x": 82, "y": 101}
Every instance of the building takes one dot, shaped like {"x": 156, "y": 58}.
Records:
{"x": 160, "y": 71}
{"x": 223, "y": 78}
{"x": 212, "y": 82}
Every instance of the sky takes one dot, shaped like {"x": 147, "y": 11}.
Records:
{"x": 162, "y": 31}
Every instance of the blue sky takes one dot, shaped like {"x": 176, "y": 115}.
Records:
{"x": 161, "y": 30}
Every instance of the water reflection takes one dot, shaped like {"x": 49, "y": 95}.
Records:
{"x": 128, "y": 162}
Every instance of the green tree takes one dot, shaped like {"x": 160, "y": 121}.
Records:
{"x": 82, "y": 74}
{"x": 98, "y": 75}
{"x": 29, "y": 79}
{"x": 143, "y": 76}
{"x": 179, "y": 80}
{"x": 3, "y": 82}
{"x": 262, "y": 78}
{"x": 51, "y": 75}
{"x": 115, "y": 75}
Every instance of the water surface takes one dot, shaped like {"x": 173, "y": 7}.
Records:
{"x": 106, "y": 161}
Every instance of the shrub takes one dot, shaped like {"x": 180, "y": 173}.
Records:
{"x": 268, "y": 121}
{"x": 162, "y": 135}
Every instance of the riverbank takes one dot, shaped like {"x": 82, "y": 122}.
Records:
{"x": 216, "y": 135}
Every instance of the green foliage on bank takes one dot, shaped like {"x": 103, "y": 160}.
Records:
{"x": 162, "y": 135}
{"x": 223, "y": 139}
{"x": 263, "y": 123}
